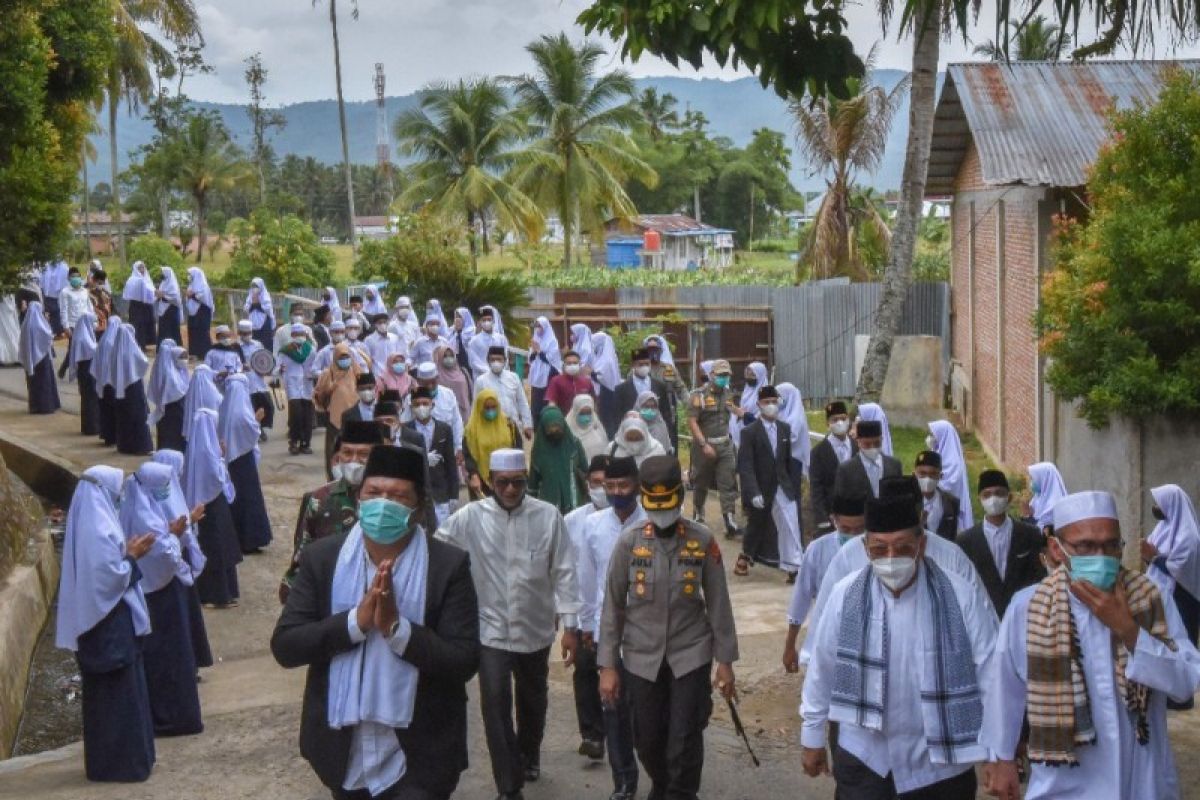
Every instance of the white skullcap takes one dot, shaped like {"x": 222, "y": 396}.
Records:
{"x": 298, "y": 328}
{"x": 507, "y": 461}
{"x": 426, "y": 371}
{"x": 354, "y": 322}
{"x": 245, "y": 325}
{"x": 222, "y": 329}
{"x": 1084, "y": 505}
{"x": 337, "y": 325}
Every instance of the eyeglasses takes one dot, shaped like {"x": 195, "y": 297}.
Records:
{"x": 510, "y": 483}
{"x": 892, "y": 551}
{"x": 1113, "y": 547}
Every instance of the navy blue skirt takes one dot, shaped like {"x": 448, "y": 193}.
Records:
{"x": 108, "y": 415}
{"x": 89, "y": 403}
{"x": 199, "y": 326}
{"x": 200, "y": 646}
{"x": 169, "y": 430}
{"x": 132, "y": 429}
{"x": 42, "y": 388}
{"x": 168, "y": 326}
{"x": 141, "y": 317}
{"x": 218, "y": 584}
{"x": 170, "y": 663}
{"x": 249, "y": 509}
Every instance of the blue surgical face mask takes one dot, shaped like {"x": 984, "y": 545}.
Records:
{"x": 843, "y": 538}
{"x": 343, "y": 363}
{"x": 1034, "y": 487}
{"x": 649, "y": 414}
{"x": 161, "y": 494}
{"x": 399, "y": 368}
{"x": 584, "y": 420}
{"x": 721, "y": 381}
{"x": 1099, "y": 571}
{"x": 384, "y": 521}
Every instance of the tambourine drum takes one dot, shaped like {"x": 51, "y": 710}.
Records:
{"x": 262, "y": 362}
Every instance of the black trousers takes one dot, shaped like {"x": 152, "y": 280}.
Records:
{"x": 586, "y": 683}
{"x": 1189, "y": 614}
{"x": 618, "y": 730}
{"x": 503, "y": 677}
{"x": 670, "y": 714}
{"x": 404, "y": 790}
{"x": 300, "y": 422}
{"x": 264, "y": 401}
{"x": 856, "y": 781}
{"x": 761, "y": 540}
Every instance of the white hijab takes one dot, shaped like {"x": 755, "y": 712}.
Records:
{"x": 202, "y": 393}
{"x": 171, "y": 295}
{"x": 409, "y": 329}
{"x": 334, "y": 303}
{"x": 168, "y": 379}
{"x": 750, "y": 393}
{"x": 204, "y": 472}
{"x": 955, "y": 479}
{"x": 661, "y": 341}
{"x": 581, "y": 343}
{"x": 437, "y": 313}
{"x": 139, "y": 288}
{"x": 791, "y": 411}
{"x": 259, "y": 318}
{"x": 175, "y": 507}
{"x": 237, "y": 426}
{"x": 1177, "y": 538}
{"x": 373, "y": 302}
{"x": 605, "y": 369}
{"x": 35, "y": 339}
{"x": 874, "y": 412}
{"x": 129, "y": 363}
{"x": 1050, "y": 489}
{"x": 592, "y": 437}
{"x": 141, "y": 513}
{"x": 83, "y": 343}
{"x": 201, "y": 292}
{"x": 639, "y": 451}
{"x": 539, "y": 370}
{"x": 95, "y": 574}
{"x": 659, "y": 428}
{"x": 102, "y": 358}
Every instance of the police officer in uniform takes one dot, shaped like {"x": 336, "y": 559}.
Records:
{"x": 714, "y": 455}
{"x": 332, "y": 509}
{"x": 666, "y": 618}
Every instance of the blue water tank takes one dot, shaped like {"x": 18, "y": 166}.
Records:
{"x": 624, "y": 253}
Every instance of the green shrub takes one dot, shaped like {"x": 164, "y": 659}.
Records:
{"x": 283, "y": 251}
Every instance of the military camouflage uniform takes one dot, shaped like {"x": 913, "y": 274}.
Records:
{"x": 329, "y": 510}
{"x": 707, "y": 407}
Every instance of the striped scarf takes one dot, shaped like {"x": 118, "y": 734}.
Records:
{"x": 1060, "y": 716}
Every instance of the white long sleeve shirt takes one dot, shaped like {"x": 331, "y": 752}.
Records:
{"x": 73, "y": 304}
{"x": 853, "y": 557}
{"x": 477, "y": 349}
{"x": 523, "y": 567}
{"x": 513, "y": 401}
{"x": 812, "y": 570}
{"x": 1116, "y": 767}
{"x": 901, "y": 747}
{"x": 601, "y": 530}
{"x": 445, "y": 409}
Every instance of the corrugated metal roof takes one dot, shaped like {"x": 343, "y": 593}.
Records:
{"x": 1037, "y": 123}
{"x": 675, "y": 224}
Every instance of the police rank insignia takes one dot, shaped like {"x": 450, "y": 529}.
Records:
{"x": 640, "y": 589}
{"x": 641, "y": 551}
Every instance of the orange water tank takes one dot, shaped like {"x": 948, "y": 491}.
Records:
{"x": 652, "y": 242}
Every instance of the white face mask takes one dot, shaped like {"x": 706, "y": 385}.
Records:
{"x": 496, "y": 367}
{"x": 840, "y": 428}
{"x": 338, "y": 338}
{"x": 894, "y": 573}
{"x": 995, "y": 505}
{"x": 770, "y": 410}
{"x": 352, "y": 471}
{"x": 352, "y": 334}
{"x": 434, "y": 330}
{"x": 599, "y": 498}
{"x": 381, "y": 328}
{"x": 870, "y": 453}
{"x": 403, "y": 313}
{"x": 664, "y": 519}
{"x": 367, "y": 396}
{"x": 571, "y": 369}
{"x": 487, "y": 325}
{"x": 641, "y": 371}
{"x": 927, "y": 484}
{"x": 931, "y": 442}
{"x": 422, "y": 412}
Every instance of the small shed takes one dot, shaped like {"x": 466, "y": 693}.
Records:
{"x": 669, "y": 242}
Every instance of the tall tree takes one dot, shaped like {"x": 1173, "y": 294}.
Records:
{"x": 1036, "y": 39}
{"x": 129, "y": 77}
{"x": 840, "y": 138}
{"x": 461, "y": 136}
{"x": 582, "y": 153}
{"x": 337, "y": 69}
{"x": 262, "y": 120}
{"x": 658, "y": 112}
{"x": 209, "y": 162}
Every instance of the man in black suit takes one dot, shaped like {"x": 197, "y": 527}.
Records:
{"x": 389, "y": 669}
{"x": 438, "y": 440}
{"x": 387, "y": 413}
{"x": 1004, "y": 550}
{"x": 768, "y": 481}
{"x": 940, "y": 508}
{"x": 859, "y": 477}
{"x": 640, "y": 380}
{"x": 836, "y": 448}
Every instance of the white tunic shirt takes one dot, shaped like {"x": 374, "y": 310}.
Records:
{"x": 73, "y": 304}
{"x": 513, "y": 402}
{"x": 999, "y": 542}
{"x": 1116, "y": 767}
{"x": 901, "y": 747}
{"x": 812, "y": 570}
{"x": 600, "y": 533}
{"x": 523, "y": 567}
{"x": 477, "y": 349}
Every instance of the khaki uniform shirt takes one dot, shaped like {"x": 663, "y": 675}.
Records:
{"x": 666, "y": 598}
{"x": 707, "y": 407}
{"x": 669, "y": 375}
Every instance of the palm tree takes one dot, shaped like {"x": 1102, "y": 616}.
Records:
{"x": 337, "y": 69}
{"x": 129, "y": 77}
{"x": 842, "y": 138}
{"x": 209, "y": 162}
{"x": 657, "y": 112}
{"x": 461, "y": 135}
{"x": 582, "y": 154}
{"x": 1036, "y": 40}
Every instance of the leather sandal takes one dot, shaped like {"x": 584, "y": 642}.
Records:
{"x": 742, "y": 567}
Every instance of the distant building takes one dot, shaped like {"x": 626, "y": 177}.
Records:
{"x": 1012, "y": 146}
{"x": 376, "y": 227}
{"x": 102, "y": 229}
{"x": 669, "y": 242}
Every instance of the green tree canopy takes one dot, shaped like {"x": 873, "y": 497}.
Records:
{"x": 1120, "y": 315}
{"x": 283, "y": 251}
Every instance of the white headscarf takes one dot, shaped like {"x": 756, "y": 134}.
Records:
{"x": 591, "y": 436}
{"x": 83, "y": 343}
{"x": 102, "y": 358}
{"x": 639, "y": 451}
{"x": 259, "y": 318}
{"x": 539, "y": 370}
{"x": 201, "y": 393}
{"x": 1048, "y": 488}
{"x": 175, "y": 507}
{"x": 468, "y": 329}
{"x": 168, "y": 379}
{"x": 129, "y": 363}
{"x": 955, "y": 479}
{"x": 750, "y": 393}
{"x": 606, "y": 371}
{"x": 661, "y": 341}
{"x": 658, "y": 429}
{"x": 139, "y": 287}
{"x": 1177, "y": 538}
{"x": 171, "y": 295}
{"x": 236, "y": 425}
{"x": 791, "y": 411}
{"x": 408, "y": 329}
{"x": 141, "y": 513}
{"x": 201, "y": 292}
{"x": 204, "y": 472}
{"x": 334, "y": 303}
{"x": 373, "y": 302}
{"x": 581, "y": 343}
{"x": 35, "y": 338}
{"x": 438, "y": 313}
{"x": 874, "y": 412}
{"x": 95, "y": 574}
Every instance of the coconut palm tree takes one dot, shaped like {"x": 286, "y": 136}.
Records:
{"x": 129, "y": 77}
{"x": 1037, "y": 40}
{"x": 209, "y": 162}
{"x": 842, "y": 138}
{"x": 461, "y": 136}
{"x": 337, "y": 70}
{"x": 658, "y": 112}
{"x": 582, "y": 154}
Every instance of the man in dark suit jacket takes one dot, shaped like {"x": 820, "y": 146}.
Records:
{"x": 640, "y": 380}
{"x": 853, "y": 478}
{"x": 766, "y": 473}
{"x": 940, "y": 508}
{"x": 438, "y": 440}
{"x": 837, "y": 447}
{"x": 444, "y": 646}
{"x": 1000, "y": 539}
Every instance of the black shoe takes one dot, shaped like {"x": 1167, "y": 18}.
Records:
{"x": 532, "y": 773}
{"x": 731, "y": 528}
{"x": 262, "y": 436}
{"x": 510, "y": 796}
{"x": 293, "y": 449}
{"x": 791, "y": 579}
{"x": 624, "y": 793}
{"x": 305, "y": 450}
{"x": 592, "y": 748}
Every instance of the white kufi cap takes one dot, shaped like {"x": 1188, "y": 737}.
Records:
{"x": 1084, "y": 505}
{"x": 508, "y": 460}
{"x": 426, "y": 371}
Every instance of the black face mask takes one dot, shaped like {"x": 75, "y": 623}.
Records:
{"x": 752, "y": 381}
{"x": 622, "y": 502}
{"x": 1158, "y": 514}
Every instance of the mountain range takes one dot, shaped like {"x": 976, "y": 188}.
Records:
{"x": 734, "y": 109}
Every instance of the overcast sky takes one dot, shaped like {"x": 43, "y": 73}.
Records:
{"x": 420, "y": 41}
